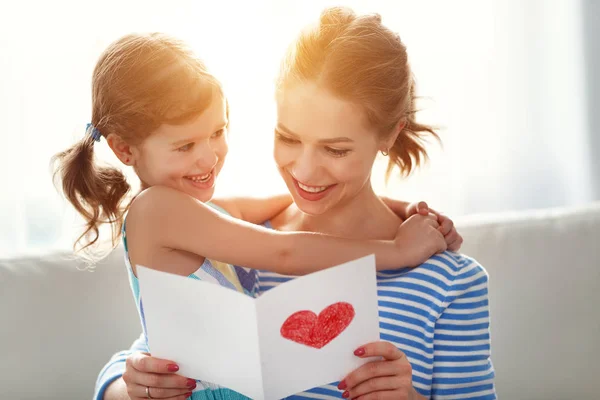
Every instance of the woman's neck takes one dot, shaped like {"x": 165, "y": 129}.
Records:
{"x": 363, "y": 217}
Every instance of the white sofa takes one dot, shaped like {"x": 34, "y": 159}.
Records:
{"x": 59, "y": 325}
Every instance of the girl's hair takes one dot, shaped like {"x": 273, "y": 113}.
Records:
{"x": 140, "y": 82}
{"x": 362, "y": 61}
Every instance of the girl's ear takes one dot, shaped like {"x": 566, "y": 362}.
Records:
{"x": 121, "y": 148}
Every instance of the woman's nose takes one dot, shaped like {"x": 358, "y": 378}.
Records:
{"x": 305, "y": 166}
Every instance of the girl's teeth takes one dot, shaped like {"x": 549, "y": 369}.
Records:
{"x": 312, "y": 189}
{"x": 203, "y": 178}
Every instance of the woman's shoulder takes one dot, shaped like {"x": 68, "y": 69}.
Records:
{"x": 458, "y": 268}
{"x": 442, "y": 273}
{"x": 457, "y": 263}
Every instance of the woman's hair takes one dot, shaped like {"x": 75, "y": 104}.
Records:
{"x": 140, "y": 82}
{"x": 360, "y": 60}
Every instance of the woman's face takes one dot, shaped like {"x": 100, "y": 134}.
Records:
{"x": 324, "y": 148}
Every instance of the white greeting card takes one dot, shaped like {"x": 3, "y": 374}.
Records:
{"x": 299, "y": 335}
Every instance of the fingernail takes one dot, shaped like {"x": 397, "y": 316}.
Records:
{"x": 342, "y": 385}
{"x": 359, "y": 352}
{"x": 346, "y": 394}
{"x": 191, "y": 383}
{"x": 172, "y": 368}
{"x": 188, "y": 394}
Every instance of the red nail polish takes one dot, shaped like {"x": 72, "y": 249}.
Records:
{"x": 172, "y": 368}
{"x": 359, "y": 352}
{"x": 191, "y": 383}
{"x": 342, "y": 385}
{"x": 346, "y": 394}
{"x": 189, "y": 394}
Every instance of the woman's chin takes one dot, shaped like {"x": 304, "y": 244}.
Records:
{"x": 311, "y": 203}
{"x": 311, "y": 207}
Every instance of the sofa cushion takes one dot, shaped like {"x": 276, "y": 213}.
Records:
{"x": 544, "y": 269}
{"x": 60, "y": 324}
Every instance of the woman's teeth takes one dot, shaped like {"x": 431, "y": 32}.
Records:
{"x": 312, "y": 189}
{"x": 200, "y": 179}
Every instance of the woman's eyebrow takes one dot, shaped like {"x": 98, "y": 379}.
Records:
{"x": 341, "y": 139}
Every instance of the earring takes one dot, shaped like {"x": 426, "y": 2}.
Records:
{"x": 385, "y": 153}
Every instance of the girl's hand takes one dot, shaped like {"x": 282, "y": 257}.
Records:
{"x": 158, "y": 376}
{"x": 420, "y": 207}
{"x": 419, "y": 238}
{"x": 447, "y": 228}
{"x": 387, "y": 379}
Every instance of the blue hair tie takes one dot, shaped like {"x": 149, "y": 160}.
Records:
{"x": 96, "y": 135}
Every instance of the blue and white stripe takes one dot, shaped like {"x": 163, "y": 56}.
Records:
{"x": 438, "y": 315}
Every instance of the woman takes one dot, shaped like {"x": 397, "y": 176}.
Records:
{"x": 351, "y": 76}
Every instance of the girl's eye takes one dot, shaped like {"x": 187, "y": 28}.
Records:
{"x": 337, "y": 152}
{"x": 186, "y": 147}
{"x": 218, "y": 133}
{"x": 285, "y": 139}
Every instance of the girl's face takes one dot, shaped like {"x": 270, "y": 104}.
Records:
{"x": 186, "y": 157}
{"x": 324, "y": 148}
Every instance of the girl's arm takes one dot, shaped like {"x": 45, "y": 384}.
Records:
{"x": 171, "y": 219}
{"x": 253, "y": 209}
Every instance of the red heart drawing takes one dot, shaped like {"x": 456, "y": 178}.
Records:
{"x": 306, "y": 328}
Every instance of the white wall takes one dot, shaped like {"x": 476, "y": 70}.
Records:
{"x": 506, "y": 81}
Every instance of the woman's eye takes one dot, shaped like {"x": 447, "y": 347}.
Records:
{"x": 337, "y": 152}
{"x": 186, "y": 147}
{"x": 285, "y": 139}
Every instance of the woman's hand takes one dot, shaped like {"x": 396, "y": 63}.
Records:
{"x": 419, "y": 238}
{"x": 144, "y": 372}
{"x": 405, "y": 210}
{"x": 387, "y": 379}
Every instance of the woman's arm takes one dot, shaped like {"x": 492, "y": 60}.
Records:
{"x": 129, "y": 372}
{"x": 110, "y": 385}
{"x": 168, "y": 218}
{"x": 115, "y": 390}
{"x": 462, "y": 365}
{"x": 253, "y": 209}
{"x": 389, "y": 376}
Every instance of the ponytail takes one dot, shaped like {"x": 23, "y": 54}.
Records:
{"x": 408, "y": 151}
{"x": 96, "y": 192}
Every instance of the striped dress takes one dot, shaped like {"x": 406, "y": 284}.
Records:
{"x": 223, "y": 274}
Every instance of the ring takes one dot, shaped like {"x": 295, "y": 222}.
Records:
{"x": 148, "y": 393}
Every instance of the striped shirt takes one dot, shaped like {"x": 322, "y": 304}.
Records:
{"x": 438, "y": 315}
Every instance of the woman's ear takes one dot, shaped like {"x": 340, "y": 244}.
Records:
{"x": 389, "y": 141}
{"x": 121, "y": 148}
